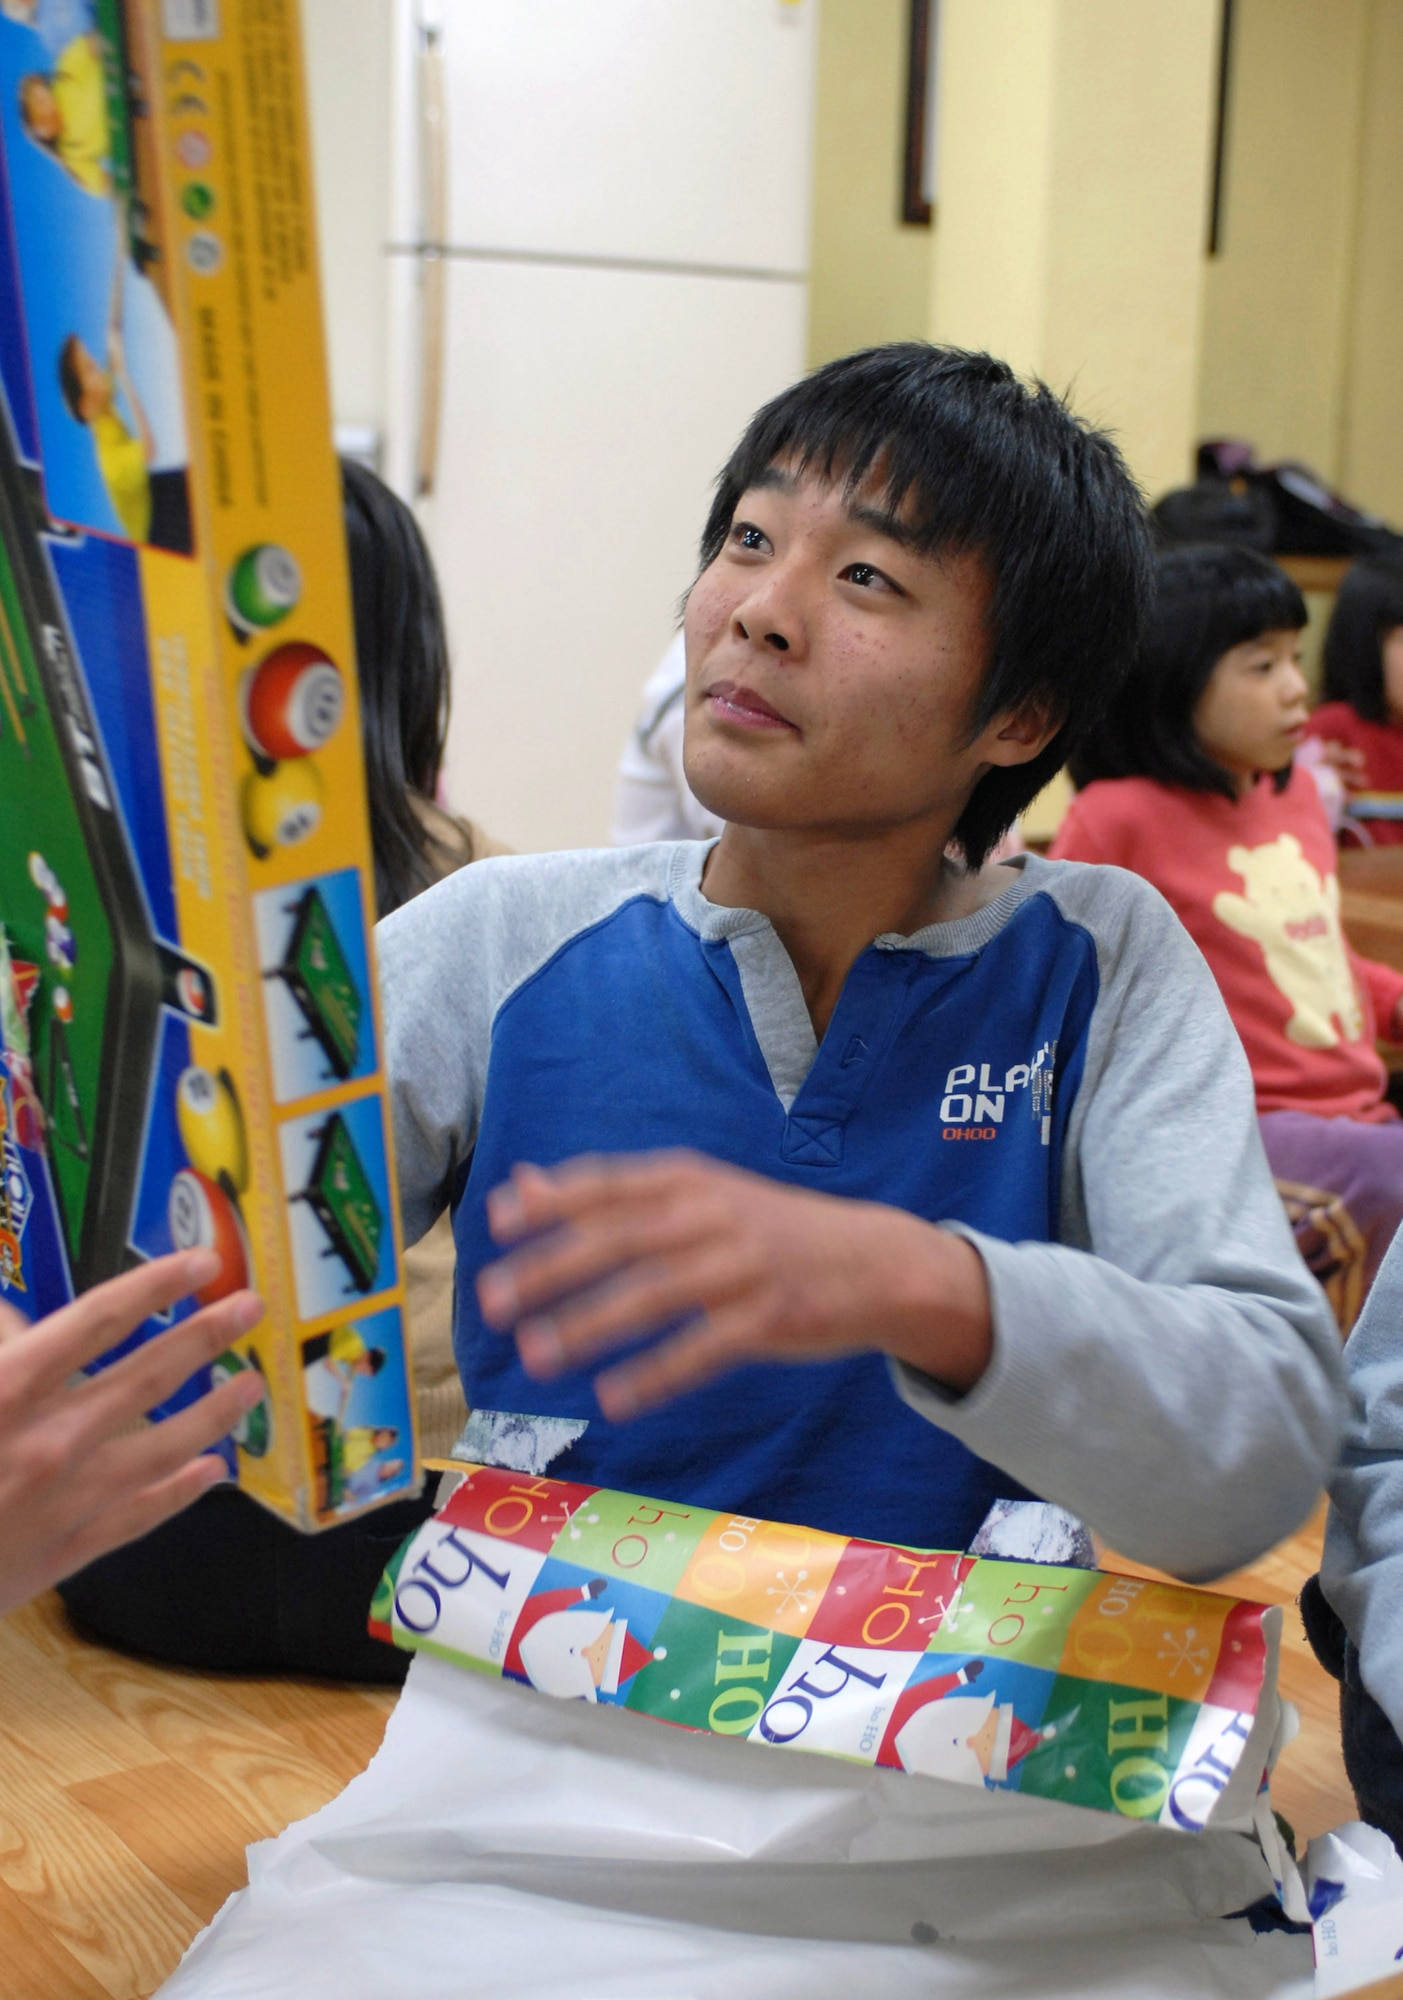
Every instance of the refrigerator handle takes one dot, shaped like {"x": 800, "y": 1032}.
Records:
{"x": 433, "y": 157}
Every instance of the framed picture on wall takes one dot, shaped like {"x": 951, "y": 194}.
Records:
{"x": 918, "y": 191}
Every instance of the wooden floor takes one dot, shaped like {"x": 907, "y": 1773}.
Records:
{"x": 128, "y": 1792}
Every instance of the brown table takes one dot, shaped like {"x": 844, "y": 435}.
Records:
{"x": 1371, "y": 902}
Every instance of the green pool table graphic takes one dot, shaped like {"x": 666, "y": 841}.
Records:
{"x": 123, "y": 90}
{"x": 104, "y": 976}
{"x": 340, "y": 1195}
{"x": 328, "y": 1464}
{"x": 317, "y": 974}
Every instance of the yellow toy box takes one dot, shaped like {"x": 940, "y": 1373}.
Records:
{"x": 190, "y": 1037}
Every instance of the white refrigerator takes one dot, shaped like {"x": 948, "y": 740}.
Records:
{"x": 597, "y": 270}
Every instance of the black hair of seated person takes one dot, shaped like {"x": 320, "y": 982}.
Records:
{"x": 1207, "y": 598}
{"x": 1368, "y": 606}
{"x": 971, "y": 459}
{"x": 402, "y": 662}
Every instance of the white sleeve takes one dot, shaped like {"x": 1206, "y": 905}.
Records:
{"x": 652, "y": 800}
{"x": 1362, "y": 1571}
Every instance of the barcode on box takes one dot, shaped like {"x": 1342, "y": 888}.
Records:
{"x": 191, "y": 20}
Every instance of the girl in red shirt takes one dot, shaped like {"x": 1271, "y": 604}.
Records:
{"x": 1360, "y": 720}
{"x": 1189, "y": 781}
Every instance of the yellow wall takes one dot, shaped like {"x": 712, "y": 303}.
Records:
{"x": 1074, "y": 145}
{"x": 869, "y": 272}
{"x": 1371, "y": 449}
{"x": 989, "y": 275}
{"x": 1278, "y": 298}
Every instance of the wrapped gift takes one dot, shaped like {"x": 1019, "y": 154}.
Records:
{"x": 1126, "y": 1694}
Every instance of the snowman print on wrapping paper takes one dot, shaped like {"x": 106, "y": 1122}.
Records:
{"x": 1295, "y": 917}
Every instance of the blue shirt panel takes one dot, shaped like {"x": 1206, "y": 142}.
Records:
{"x": 635, "y": 1034}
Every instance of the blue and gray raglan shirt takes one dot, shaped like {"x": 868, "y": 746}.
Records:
{"x": 1054, "y": 1076}
{"x": 1362, "y": 1568}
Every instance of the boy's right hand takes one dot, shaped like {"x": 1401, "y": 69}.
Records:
{"x": 75, "y": 1479}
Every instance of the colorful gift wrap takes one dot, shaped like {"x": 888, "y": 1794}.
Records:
{"x": 1120, "y": 1693}
{"x": 189, "y": 1037}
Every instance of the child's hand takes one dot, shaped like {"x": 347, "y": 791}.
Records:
{"x": 1348, "y": 761}
{"x": 72, "y": 1486}
{"x": 760, "y": 1272}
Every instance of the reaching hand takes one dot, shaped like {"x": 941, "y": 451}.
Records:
{"x": 759, "y": 1271}
{"x": 71, "y": 1485}
{"x": 1349, "y": 762}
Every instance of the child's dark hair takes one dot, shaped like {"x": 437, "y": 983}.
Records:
{"x": 1368, "y": 607}
{"x": 402, "y": 658}
{"x": 967, "y": 458}
{"x": 1208, "y": 597}
{"x": 70, "y": 382}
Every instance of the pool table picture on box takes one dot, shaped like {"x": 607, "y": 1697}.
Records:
{"x": 78, "y": 932}
{"x": 340, "y": 1195}
{"x": 316, "y": 973}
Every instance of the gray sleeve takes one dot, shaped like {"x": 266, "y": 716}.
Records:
{"x": 1362, "y": 1573}
{"x": 447, "y": 961}
{"x": 1169, "y": 1370}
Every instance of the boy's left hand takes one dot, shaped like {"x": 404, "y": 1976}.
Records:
{"x": 622, "y": 1245}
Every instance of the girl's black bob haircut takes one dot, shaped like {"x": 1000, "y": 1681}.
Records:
{"x": 970, "y": 459}
{"x": 1208, "y": 597}
{"x": 1368, "y": 607}
{"x": 402, "y": 669}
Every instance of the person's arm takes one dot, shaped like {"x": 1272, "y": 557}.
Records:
{"x": 1385, "y": 990}
{"x": 1180, "y": 1387}
{"x": 1362, "y": 1569}
{"x": 75, "y": 1479}
{"x": 652, "y": 799}
{"x": 448, "y": 961}
{"x": 1329, "y": 728}
{"x": 117, "y": 362}
{"x": 1168, "y": 1370}
{"x": 348, "y": 1383}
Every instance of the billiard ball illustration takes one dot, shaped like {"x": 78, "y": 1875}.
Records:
{"x": 211, "y": 1123}
{"x": 291, "y": 703}
{"x": 262, "y": 587}
{"x": 203, "y": 1217}
{"x": 194, "y": 992}
{"x": 281, "y": 806}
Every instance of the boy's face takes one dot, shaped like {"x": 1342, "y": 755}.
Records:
{"x": 832, "y": 670}
{"x": 40, "y": 108}
{"x": 94, "y": 383}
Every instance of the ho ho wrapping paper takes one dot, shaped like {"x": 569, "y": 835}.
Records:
{"x": 1146, "y": 1699}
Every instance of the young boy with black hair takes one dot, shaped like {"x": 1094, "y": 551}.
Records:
{"x": 977, "y": 1145}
